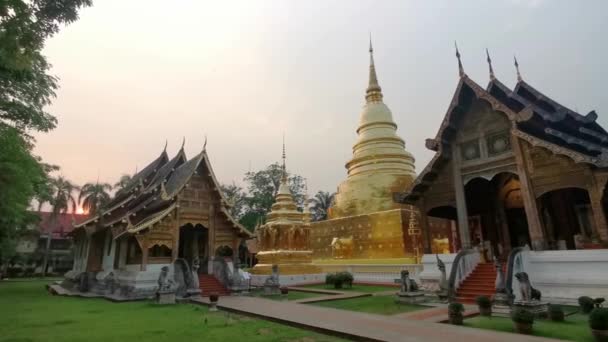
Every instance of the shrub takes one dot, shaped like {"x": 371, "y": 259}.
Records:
{"x": 284, "y": 290}
{"x": 522, "y": 316}
{"x": 455, "y": 308}
{"x": 338, "y": 279}
{"x": 213, "y": 297}
{"x": 556, "y": 313}
{"x": 598, "y": 302}
{"x": 598, "y": 319}
{"x": 347, "y": 279}
{"x": 483, "y": 302}
{"x": 330, "y": 278}
{"x": 586, "y": 304}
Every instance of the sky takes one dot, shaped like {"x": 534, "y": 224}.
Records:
{"x": 135, "y": 73}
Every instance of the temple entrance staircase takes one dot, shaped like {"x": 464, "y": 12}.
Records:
{"x": 481, "y": 282}
{"x": 208, "y": 284}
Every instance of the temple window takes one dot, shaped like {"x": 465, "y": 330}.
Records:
{"x": 470, "y": 150}
{"x": 159, "y": 251}
{"x": 498, "y": 143}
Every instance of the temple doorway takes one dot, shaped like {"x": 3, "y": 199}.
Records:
{"x": 568, "y": 218}
{"x": 497, "y": 218}
{"x": 194, "y": 243}
{"x": 95, "y": 259}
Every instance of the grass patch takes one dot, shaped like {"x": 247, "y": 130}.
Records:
{"x": 29, "y": 313}
{"x": 293, "y": 295}
{"x": 383, "y": 305}
{"x": 355, "y": 288}
{"x": 574, "y": 328}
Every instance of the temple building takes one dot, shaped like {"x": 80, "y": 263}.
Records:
{"x": 364, "y": 220}
{"x": 514, "y": 167}
{"x": 284, "y": 240}
{"x": 173, "y": 209}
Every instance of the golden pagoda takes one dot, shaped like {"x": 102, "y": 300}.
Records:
{"x": 284, "y": 239}
{"x": 364, "y": 221}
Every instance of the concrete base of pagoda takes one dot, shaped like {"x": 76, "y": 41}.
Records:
{"x": 295, "y": 268}
{"x": 289, "y": 262}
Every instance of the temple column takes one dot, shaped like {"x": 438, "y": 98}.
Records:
{"x": 122, "y": 256}
{"x": 143, "y": 244}
{"x": 504, "y": 228}
{"x": 424, "y": 226}
{"x": 176, "y": 231}
{"x": 211, "y": 238}
{"x": 595, "y": 189}
{"x": 537, "y": 235}
{"x": 235, "y": 255}
{"x": 461, "y": 202}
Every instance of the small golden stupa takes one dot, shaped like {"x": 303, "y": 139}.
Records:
{"x": 284, "y": 239}
{"x": 365, "y": 224}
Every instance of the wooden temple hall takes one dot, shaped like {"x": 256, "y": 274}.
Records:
{"x": 513, "y": 167}
{"x": 172, "y": 209}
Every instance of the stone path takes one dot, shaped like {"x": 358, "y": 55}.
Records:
{"x": 328, "y": 295}
{"x": 361, "y": 326}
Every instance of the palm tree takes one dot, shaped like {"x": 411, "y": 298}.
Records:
{"x": 122, "y": 182}
{"x": 320, "y": 205}
{"x": 93, "y": 196}
{"x": 62, "y": 200}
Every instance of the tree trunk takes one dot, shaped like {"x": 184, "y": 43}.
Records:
{"x": 47, "y": 250}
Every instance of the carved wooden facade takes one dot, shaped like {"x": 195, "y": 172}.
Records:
{"x": 145, "y": 219}
{"x": 535, "y": 153}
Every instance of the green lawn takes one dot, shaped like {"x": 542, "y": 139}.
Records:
{"x": 575, "y": 328}
{"x": 383, "y": 305}
{"x": 293, "y": 295}
{"x": 29, "y": 313}
{"x": 355, "y": 288}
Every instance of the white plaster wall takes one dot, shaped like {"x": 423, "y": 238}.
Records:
{"x": 563, "y": 276}
{"x": 290, "y": 280}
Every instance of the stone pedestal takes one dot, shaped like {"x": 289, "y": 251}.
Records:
{"x": 538, "y": 308}
{"x": 165, "y": 297}
{"x": 500, "y": 306}
{"x": 270, "y": 290}
{"x": 193, "y": 292}
{"x": 410, "y": 297}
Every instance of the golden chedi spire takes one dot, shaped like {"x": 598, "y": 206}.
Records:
{"x": 284, "y": 239}
{"x": 380, "y": 164}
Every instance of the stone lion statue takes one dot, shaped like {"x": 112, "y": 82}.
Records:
{"x": 164, "y": 283}
{"x": 528, "y": 293}
{"x": 407, "y": 284}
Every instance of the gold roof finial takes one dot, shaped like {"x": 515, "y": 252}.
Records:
{"x": 519, "y": 79}
{"x": 374, "y": 92}
{"x": 492, "y": 77}
{"x": 460, "y": 68}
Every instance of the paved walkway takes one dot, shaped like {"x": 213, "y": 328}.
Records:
{"x": 361, "y": 326}
{"x": 328, "y": 295}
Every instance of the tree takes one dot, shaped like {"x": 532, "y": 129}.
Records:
{"x": 25, "y": 90}
{"x": 122, "y": 182}
{"x": 94, "y": 196}
{"x": 63, "y": 200}
{"x": 22, "y": 177}
{"x": 25, "y": 86}
{"x": 236, "y": 198}
{"x": 262, "y": 187}
{"x": 320, "y": 205}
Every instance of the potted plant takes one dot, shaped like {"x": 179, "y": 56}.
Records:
{"x": 598, "y": 322}
{"x": 455, "y": 311}
{"x": 556, "y": 313}
{"x": 522, "y": 321}
{"x": 284, "y": 290}
{"x": 485, "y": 305}
{"x": 213, "y": 298}
{"x": 586, "y": 304}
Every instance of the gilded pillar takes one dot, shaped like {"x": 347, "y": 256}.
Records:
{"x": 461, "y": 202}
{"x": 535, "y": 228}
{"x": 424, "y": 225}
{"x": 211, "y": 238}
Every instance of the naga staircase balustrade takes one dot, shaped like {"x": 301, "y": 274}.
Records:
{"x": 464, "y": 263}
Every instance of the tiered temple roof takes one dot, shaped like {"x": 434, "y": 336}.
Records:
{"x": 152, "y": 195}
{"x": 539, "y": 120}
